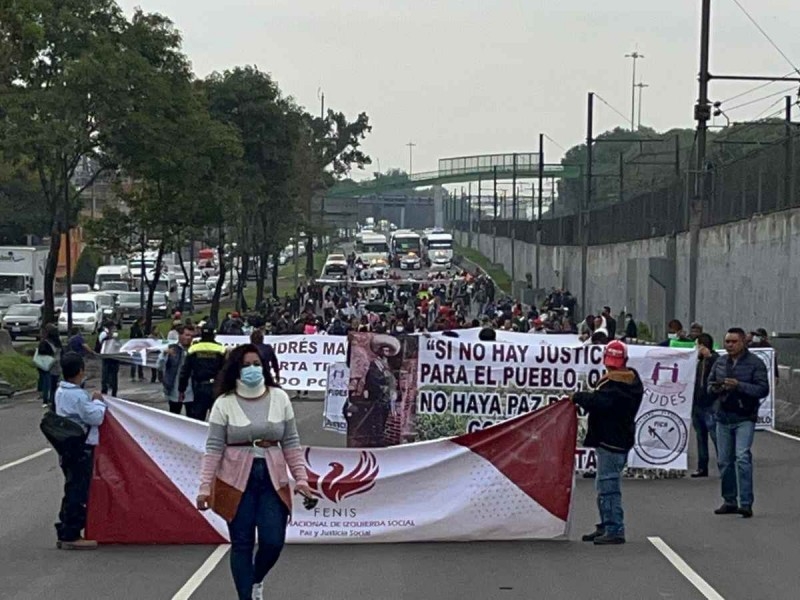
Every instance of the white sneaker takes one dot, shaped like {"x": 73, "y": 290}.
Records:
{"x": 258, "y": 591}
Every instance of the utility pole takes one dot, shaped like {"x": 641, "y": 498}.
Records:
{"x": 322, "y": 198}
{"x": 539, "y": 208}
{"x": 494, "y": 218}
{"x": 702, "y": 114}
{"x": 479, "y": 212}
{"x": 469, "y": 214}
{"x": 788, "y": 193}
{"x": 641, "y": 86}
{"x": 513, "y": 221}
{"x": 583, "y": 232}
{"x": 635, "y": 55}
{"x": 411, "y": 146}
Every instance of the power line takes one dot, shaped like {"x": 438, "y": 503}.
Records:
{"x": 555, "y": 142}
{"x": 767, "y": 97}
{"x": 599, "y": 97}
{"x": 750, "y": 91}
{"x": 764, "y": 33}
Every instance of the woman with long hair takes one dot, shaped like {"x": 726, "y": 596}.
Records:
{"x": 252, "y": 437}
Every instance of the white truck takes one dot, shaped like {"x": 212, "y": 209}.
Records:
{"x": 406, "y": 249}
{"x": 22, "y": 271}
{"x": 439, "y": 249}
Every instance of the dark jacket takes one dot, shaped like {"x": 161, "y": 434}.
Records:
{"x": 702, "y": 399}
{"x": 172, "y": 366}
{"x": 612, "y": 408}
{"x": 203, "y": 361}
{"x": 742, "y": 403}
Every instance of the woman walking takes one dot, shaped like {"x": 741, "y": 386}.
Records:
{"x": 252, "y": 437}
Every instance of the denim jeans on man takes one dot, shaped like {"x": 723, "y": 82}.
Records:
{"x": 77, "y": 469}
{"x": 259, "y": 509}
{"x": 609, "y": 494}
{"x": 704, "y": 426}
{"x": 734, "y": 439}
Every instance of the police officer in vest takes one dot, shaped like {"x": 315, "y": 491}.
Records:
{"x": 204, "y": 360}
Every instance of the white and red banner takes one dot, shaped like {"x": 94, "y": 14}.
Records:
{"x": 511, "y": 481}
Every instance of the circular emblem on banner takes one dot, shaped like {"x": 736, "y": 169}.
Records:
{"x": 661, "y": 437}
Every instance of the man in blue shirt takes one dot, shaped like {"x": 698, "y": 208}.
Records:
{"x": 74, "y": 403}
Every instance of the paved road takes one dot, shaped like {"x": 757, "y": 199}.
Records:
{"x": 740, "y": 559}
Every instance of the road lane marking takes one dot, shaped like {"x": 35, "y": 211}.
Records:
{"x": 25, "y": 459}
{"x": 199, "y": 576}
{"x": 784, "y": 434}
{"x": 684, "y": 569}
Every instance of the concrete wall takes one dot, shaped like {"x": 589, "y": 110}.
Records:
{"x": 749, "y": 273}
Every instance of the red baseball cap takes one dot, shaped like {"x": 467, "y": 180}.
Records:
{"x": 615, "y": 356}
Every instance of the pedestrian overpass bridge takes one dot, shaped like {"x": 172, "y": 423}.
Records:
{"x": 464, "y": 169}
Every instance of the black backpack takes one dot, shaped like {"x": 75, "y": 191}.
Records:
{"x": 65, "y": 435}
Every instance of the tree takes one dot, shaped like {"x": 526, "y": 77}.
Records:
{"x": 169, "y": 145}
{"x": 334, "y": 148}
{"x": 268, "y": 126}
{"x": 62, "y": 87}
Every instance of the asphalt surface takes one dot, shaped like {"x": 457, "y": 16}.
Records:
{"x": 740, "y": 559}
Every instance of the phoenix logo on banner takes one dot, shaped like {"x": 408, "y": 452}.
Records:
{"x": 336, "y": 485}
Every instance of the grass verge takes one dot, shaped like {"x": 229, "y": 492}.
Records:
{"x": 501, "y": 278}
{"x": 18, "y": 370}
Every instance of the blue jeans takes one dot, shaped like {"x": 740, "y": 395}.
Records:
{"x": 259, "y": 509}
{"x": 609, "y": 494}
{"x": 704, "y": 427}
{"x": 736, "y": 462}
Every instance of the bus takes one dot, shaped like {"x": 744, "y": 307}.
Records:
{"x": 439, "y": 249}
{"x": 406, "y": 249}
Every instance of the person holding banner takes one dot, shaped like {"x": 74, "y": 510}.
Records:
{"x": 612, "y": 408}
{"x": 738, "y": 382}
{"x": 252, "y": 438}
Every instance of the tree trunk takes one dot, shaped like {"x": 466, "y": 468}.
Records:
{"x": 151, "y": 288}
{"x": 309, "y": 256}
{"x": 241, "y": 303}
{"x": 214, "y": 312}
{"x": 188, "y": 283}
{"x": 50, "y": 274}
{"x": 261, "y": 276}
{"x": 275, "y": 266}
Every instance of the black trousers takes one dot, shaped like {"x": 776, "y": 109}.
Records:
{"x": 203, "y": 399}
{"x": 77, "y": 468}
{"x": 194, "y": 410}
{"x": 110, "y": 377}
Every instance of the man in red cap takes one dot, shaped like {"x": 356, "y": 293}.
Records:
{"x": 612, "y": 408}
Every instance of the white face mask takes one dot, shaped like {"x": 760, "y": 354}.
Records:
{"x": 756, "y": 338}
{"x": 673, "y": 336}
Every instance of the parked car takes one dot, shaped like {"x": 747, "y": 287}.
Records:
{"x": 128, "y": 306}
{"x": 6, "y": 301}
{"x": 87, "y": 314}
{"x": 24, "y": 319}
{"x": 108, "y": 304}
{"x": 162, "y": 305}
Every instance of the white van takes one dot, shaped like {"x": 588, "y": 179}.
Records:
{"x": 87, "y": 314}
{"x": 112, "y": 273}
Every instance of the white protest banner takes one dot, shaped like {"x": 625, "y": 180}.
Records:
{"x": 465, "y": 386}
{"x": 304, "y": 359}
{"x": 335, "y": 398}
{"x": 512, "y": 481}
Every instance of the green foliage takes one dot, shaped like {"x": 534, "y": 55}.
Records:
{"x": 18, "y": 370}
{"x": 434, "y": 427}
{"x": 86, "y": 267}
{"x": 500, "y": 277}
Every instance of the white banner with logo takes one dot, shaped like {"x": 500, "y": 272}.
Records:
{"x": 512, "y": 481}
{"x": 336, "y": 398}
{"x": 304, "y": 359}
{"x": 465, "y": 386}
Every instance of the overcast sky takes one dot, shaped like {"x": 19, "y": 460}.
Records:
{"x": 462, "y": 77}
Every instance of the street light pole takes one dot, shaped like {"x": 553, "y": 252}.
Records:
{"x": 411, "y": 146}
{"x": 641, "y": 86}
{"x": 635, "y": 55}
